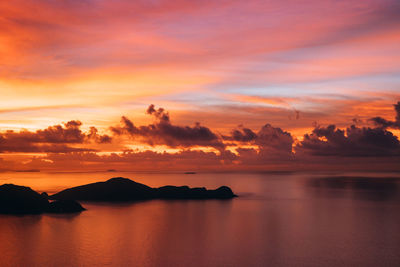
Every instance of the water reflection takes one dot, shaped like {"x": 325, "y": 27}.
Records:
{"x": 368, "y": 188}
{"x": 278, "y": 220}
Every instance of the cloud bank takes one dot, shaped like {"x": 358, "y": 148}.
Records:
{"x": 54, "y": 139}
{"x": 269, "y": 148}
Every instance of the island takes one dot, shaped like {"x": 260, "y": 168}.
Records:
{"x": 123, "y": 189}
{"x": 15, "y": 199}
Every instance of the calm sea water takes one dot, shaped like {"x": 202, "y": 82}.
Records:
{"x": 292, "y": 219}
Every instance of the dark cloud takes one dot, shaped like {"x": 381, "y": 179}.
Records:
{"x": 352, "y": 142}
{"x": 163, "y": 132}
{"x": 268, "y": 138}
{"x": 160, "y": 113}
{"x": 101, "y": 139}
{"x": 271, "y": 138}
{"x": 54, "y": 139}
{"x": 381, "y": 122}
{"x": 242, "y": 135}
{"x": 69, "y": 133}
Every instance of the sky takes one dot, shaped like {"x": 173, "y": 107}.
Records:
{"x": 199, "y": 85}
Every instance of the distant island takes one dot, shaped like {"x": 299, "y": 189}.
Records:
{"x": 16, "y": 199}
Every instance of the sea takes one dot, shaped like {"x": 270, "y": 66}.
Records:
{"x": 278, "y": 219}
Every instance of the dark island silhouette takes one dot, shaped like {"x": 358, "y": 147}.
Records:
{"x": 123, "y": 189}
{"x": 15, "y": 199}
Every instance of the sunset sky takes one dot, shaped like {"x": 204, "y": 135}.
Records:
{"x": 199, "y": 85}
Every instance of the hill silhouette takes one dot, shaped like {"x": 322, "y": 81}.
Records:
{"x": 15, "y": 199}
{"x": 123, "y": 189}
